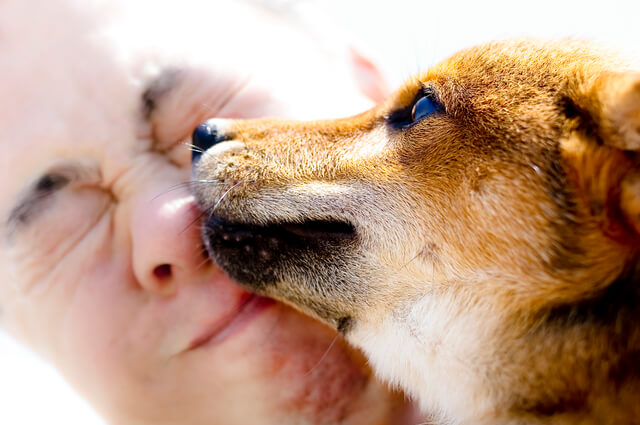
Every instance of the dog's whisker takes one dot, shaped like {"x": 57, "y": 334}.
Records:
{"x": 196, "y": 220}
{"x": 324, "y": 355}
{"x": 224, "y": 195}
{"x": 193, "y": 147}
{"x": 173, "y": 188}
{"x": 203, "y": 263}
{"x": 209, "y": 211}
{"x": 410, "y": 261}
{"x": 203, "y": 213}
{"x": 212, "y": 109}
{"x": 182, "y": 185}
{"x": 224, "y": 101}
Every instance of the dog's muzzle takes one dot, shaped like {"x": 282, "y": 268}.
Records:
{"x": 259, "y": 255}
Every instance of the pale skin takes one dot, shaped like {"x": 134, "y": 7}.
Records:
{"x": 102, "y": 270}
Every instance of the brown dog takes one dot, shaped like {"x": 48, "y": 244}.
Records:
{"x": 476, "y": 234}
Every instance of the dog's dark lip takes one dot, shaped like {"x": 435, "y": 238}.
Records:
{"x": 260, "y": 256}
{"x": 319, "y": 229}
{"x": 310, "y": 229}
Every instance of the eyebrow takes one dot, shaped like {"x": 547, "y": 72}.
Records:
{"x": 30, "y": 203}
{"x": 159, "y": 87}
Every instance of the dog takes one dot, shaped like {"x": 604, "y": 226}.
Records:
{"x": 476, "y": 234}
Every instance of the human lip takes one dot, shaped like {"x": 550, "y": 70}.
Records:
{"x": 249, "y": 307}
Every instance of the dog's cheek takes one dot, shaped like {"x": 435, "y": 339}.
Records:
{"x": 328, "y": 289}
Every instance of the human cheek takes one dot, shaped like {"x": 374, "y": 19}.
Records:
{"x": 99, "y": 349}
{"x": 50, "y": 261}
{"x": 48, "y": 250}
{"x": 109, "y": 336}
{"x": 316, "y": 372}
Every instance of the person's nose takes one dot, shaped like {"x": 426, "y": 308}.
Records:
{"x": 166, "y": 248}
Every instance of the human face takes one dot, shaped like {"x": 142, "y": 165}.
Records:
{"x": 102, "y": 269}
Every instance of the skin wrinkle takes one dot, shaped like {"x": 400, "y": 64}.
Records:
{"x": 174, "y": 84}
{"x": 23, "y": 212}
{"x": 160, "y": 86}
{"x": 32, "y": 202}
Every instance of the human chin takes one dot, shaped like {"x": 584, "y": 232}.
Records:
{"x": 314, "y": 370}
{"x": 294, "y": 369}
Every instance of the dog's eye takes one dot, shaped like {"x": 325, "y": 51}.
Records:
{"x": 424, "y": 107}
{"x": 424, "y": 104}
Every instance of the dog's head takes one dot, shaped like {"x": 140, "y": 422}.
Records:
{"x": 505, "y": 176}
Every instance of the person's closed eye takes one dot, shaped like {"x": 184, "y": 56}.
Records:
{"x": 55, "y": 213}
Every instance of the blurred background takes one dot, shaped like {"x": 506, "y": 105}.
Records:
{"x": 401, "y": 37}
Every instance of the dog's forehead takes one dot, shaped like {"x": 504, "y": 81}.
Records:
{"x": 521, "y": 57}
{"x": 516, "y": 65}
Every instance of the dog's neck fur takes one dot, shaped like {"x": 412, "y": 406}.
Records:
{"x": 423, "y": 348}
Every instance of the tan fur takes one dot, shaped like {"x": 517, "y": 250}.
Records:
{"x": 493, "y": 267}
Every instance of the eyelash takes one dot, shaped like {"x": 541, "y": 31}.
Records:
{"x": 49, "y": 183}
{"x": 403, "y": 118}
{"x": 59, "y": 178}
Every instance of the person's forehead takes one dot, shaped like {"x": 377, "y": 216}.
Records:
{"x": 69, "y": 107}
{"x": 65, "y": 62}
{"x": 64, "y": 92}
{"x": 72, "y": 76}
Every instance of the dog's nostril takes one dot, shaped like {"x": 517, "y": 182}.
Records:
{"x": 204, "y": 137}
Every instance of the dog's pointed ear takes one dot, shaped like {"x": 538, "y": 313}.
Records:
{"x": 368, "y": 77}
{"x": 606, "y": 109}
{"x": 611, "y": 100}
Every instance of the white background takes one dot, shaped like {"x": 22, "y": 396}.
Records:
{"x": 403, "y": 36}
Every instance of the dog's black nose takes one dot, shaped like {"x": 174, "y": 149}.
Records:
{"x": 205, "y": 136}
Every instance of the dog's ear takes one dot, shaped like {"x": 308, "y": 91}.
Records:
{"x": 605, "y": 148}
{"x": 612, "y": 102}
{"x": 368, "y": 77}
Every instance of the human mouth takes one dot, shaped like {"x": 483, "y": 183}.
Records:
{"x": 248, "y": 309}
